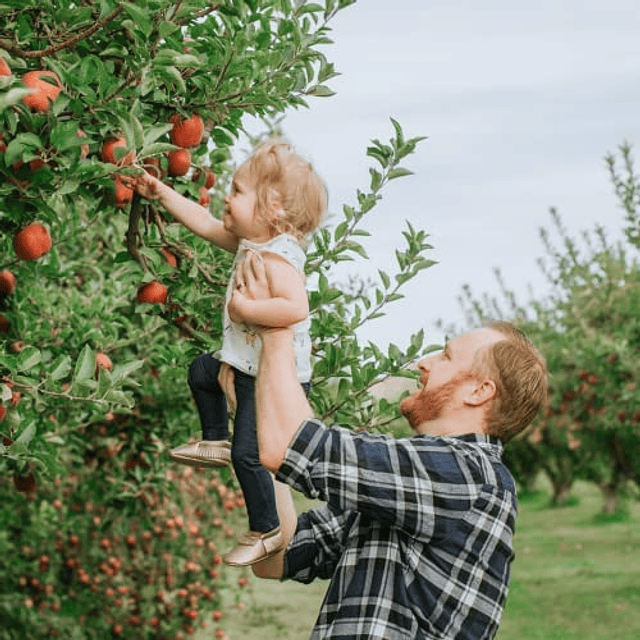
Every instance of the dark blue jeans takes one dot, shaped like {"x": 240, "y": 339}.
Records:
{"x": 254, "y": 479}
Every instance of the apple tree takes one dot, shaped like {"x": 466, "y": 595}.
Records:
{"x": 104, "y": 301}
{"x": 587, "y": 329}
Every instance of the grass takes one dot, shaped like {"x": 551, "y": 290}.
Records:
{"x": 576, "y": 576}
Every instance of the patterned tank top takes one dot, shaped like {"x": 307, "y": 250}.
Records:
{"x": 241, "y": 343}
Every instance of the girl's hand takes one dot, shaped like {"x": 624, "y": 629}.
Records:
{"x": 147, "y": 186}
{"x": 144, "y": 184}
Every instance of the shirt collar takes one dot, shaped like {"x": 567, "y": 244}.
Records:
{"x": 490, "y": 443}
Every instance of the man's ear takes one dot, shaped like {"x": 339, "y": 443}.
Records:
{"x": 481, "y": 391}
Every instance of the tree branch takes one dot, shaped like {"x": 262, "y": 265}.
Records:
{"x": 201, "y": 14}
{"x": 7, "y": 46}
{"x": 132, "y": 237}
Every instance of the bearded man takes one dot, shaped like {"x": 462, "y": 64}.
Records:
{"x": 416, "y": 536}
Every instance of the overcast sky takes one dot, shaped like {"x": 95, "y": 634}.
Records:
{"x": 520, "y": 102}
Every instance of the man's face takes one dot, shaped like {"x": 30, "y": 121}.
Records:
{"x": 428, "y": 404}
{"x": 445, "y": 376}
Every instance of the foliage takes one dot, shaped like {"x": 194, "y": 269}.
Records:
{"x": 82, "y": 455}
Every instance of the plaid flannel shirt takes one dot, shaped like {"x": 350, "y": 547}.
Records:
{"x": 416, "y": 536}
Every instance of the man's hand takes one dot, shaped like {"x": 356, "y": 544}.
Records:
{"x": 251, "y": 284}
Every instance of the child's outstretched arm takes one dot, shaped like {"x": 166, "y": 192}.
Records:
{"x": 189, "y": 213}
{"x": 288, "y": 303}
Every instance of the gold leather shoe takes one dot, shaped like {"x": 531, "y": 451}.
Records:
{"x": 206, "y": 453}
{"x": 254, "y": 546}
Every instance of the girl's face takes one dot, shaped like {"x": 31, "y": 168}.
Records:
{"x": 240, "y": 211}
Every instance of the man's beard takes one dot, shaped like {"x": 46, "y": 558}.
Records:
{"x": 424, "y": 405}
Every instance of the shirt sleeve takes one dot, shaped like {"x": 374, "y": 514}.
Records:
{"x": 418, "y": 485}
{"x": 317, "y": 544}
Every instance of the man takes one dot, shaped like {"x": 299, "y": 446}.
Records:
{"x": 416, "y": 535}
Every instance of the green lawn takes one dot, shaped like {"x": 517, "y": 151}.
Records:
{"x": 575, "y": 577}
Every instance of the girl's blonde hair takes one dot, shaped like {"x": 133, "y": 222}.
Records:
{"x": 279, "y": 174}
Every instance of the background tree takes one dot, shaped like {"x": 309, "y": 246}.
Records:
{"x": 104, "y": 302}
{"x": 588, "y": 330}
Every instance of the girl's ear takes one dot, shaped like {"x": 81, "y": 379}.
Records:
{"x": 275, "y": 210}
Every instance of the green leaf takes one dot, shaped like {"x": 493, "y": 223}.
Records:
{"x": 382, "y": 153}
{"x": 340, "y": 231}
{"x": 399, "y": 134}
{"x": 152, "y": 134}
{"x": 5, "y": 393}
{"x": 85, "y": 365}
{"x": 140, "y": 15}
{"x": 27, "y": 435}
{"x": 68, "y": 186}
{"x": 138, "y": 131}
{"x": 172, "y": 74}
{"x": 21, "y": 144}
{"x": 156, "y": 148}
{"x": 376, "y": 179}
{"x": 344, "y": 388}
{"x": 61, "y": 368}
{"x": 399, "y": 173}
{"x": 129, "y": 134}
{"x": 320, "y": 91}
{"x": 29, "y": 358}
{"x": 167, "y": 28}
{"x": 120, "y": 397}
{"x": 122, "y": 371}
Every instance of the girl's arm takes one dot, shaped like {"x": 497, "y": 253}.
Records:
{"x": 189, "y": 213}
{"x": 287, "y": 306}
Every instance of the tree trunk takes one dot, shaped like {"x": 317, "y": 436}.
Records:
{"x": 561, "y": 491}
{"x": 611, "y": 497}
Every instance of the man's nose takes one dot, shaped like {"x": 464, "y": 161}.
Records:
{"x": 425, "y": 365}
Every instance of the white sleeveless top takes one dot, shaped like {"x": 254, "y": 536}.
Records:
{"x": 241, "y": 343}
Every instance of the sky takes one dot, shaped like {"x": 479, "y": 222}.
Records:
{"x": 520, "y": 103}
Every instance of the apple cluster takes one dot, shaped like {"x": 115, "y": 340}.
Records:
{"x": 34, "y": 241}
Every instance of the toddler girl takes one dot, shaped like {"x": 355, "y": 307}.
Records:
{"x": 276, "y": 199}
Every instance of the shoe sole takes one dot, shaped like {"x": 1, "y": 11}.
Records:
{"x": 248, "y": 564}
{"x": 199, "y": 462}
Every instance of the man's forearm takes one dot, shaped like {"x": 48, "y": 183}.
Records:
{"x": 280, "y": 400}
